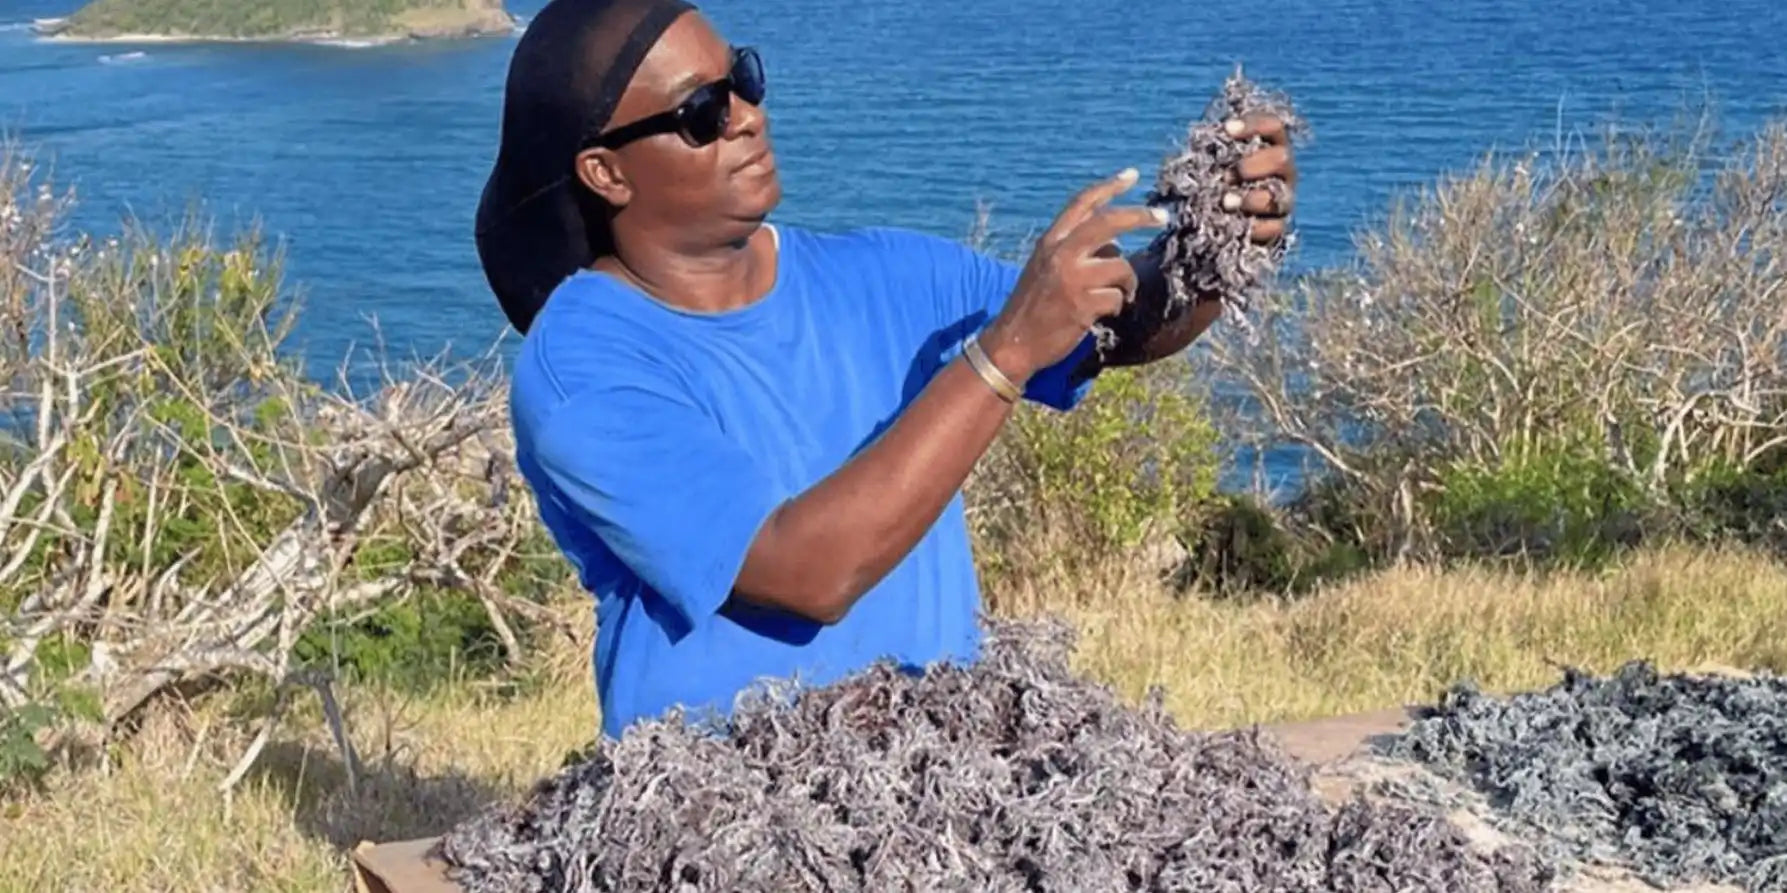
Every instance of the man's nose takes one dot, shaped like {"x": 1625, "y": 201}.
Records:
{"x": 746, "y": 118}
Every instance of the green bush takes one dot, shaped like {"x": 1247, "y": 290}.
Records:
{"x": 1562, "y": 507}
{"x": 431, "y": 639}
{"x": 1123, "y": 470}
{"x": 1748, "y": 505}
{"x": 1239, "y": 547}
{"x": 23, "y": 762}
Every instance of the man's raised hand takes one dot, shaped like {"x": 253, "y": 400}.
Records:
{"x": 1274, "y": 159}
{"x": 1071, "y": 281}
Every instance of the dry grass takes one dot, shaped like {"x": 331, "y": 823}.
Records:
{"x": 1402, "y": 636}
{"x": 155, "y": 823}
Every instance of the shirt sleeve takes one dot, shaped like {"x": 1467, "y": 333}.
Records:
{"x": 667, "y": 492}
{"x": 972, "y": 288}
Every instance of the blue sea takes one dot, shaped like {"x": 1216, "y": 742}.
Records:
{"x": 367, "y": 162}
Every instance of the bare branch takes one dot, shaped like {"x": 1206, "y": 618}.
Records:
{"x": 1597, "y": 305}
{"x": 180, "y": 499}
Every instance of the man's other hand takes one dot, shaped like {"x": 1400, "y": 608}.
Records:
{"x": 1274, "y": 159}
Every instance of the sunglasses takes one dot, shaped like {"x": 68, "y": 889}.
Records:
{"x": 705, "y": 115}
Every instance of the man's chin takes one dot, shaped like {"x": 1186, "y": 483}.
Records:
{"x": 755, "y": 205}
{"x": 747, "y": 224}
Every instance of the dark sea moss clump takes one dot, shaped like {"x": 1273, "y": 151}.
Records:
{"x": 1206, "y": 249}
{"x": 1010, "y": 775}
{"x": 1681, "y": 778}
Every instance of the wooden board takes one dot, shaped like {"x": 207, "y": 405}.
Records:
{"x": 1321, "y": 742}
{"x": 400, "y": 867}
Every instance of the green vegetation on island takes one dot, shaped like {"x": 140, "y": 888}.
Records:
{"x": 294, "y": 20}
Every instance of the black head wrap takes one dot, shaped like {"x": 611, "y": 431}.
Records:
{"x": 568, "y": 73}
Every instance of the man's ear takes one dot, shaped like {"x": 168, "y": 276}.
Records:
{"x": 600, "y": 171}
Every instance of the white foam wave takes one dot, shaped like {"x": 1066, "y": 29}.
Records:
{"x": 123, "y": 58}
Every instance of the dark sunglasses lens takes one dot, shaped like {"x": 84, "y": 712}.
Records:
{"x": 706, "y": 114}
{"x": 747, "y": 76}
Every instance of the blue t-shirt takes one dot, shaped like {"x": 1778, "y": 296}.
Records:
{"x": 657, "y": 440}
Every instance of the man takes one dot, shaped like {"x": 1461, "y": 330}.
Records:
{"x": 750, "y": 439}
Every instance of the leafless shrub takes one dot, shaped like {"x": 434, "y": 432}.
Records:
{"x": 1611, "y": 305}
{"x": 179, "y": 503}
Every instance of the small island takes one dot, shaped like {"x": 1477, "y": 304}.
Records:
{"x": 358, "y": 22}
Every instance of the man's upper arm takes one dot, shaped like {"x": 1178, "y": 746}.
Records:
{"x": 657, "y": 481}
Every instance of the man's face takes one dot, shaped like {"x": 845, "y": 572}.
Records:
{"x": 725, "y": 188}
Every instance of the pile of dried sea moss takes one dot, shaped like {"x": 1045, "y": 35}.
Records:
{"x": 1009, "y": 775}
{"x": 1679, "y": 778}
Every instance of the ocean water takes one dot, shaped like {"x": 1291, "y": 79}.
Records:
{"x": 367, "y": 162}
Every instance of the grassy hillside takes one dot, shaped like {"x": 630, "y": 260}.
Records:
{"x": 288, "y": 19}
{"x": 156, "y": 821}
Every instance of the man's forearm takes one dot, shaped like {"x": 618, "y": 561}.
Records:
{"x": 821, "y": 551}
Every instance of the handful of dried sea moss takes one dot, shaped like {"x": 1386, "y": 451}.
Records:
{"x": 1206, "y": 250}
{"x": 1009, "y": 775}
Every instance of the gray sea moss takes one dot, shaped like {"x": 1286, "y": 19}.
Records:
{"x": 1009, "y": 775}
{"x": 1680, "y": 778}
{"x": 1205, "y": 250}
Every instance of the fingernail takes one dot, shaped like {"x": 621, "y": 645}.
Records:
{"x": 1234, "y": 127}
{"x": 1128, "y": 175}
{"x": 1231, "y": 201}
{"x": 1160, "y": 215}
